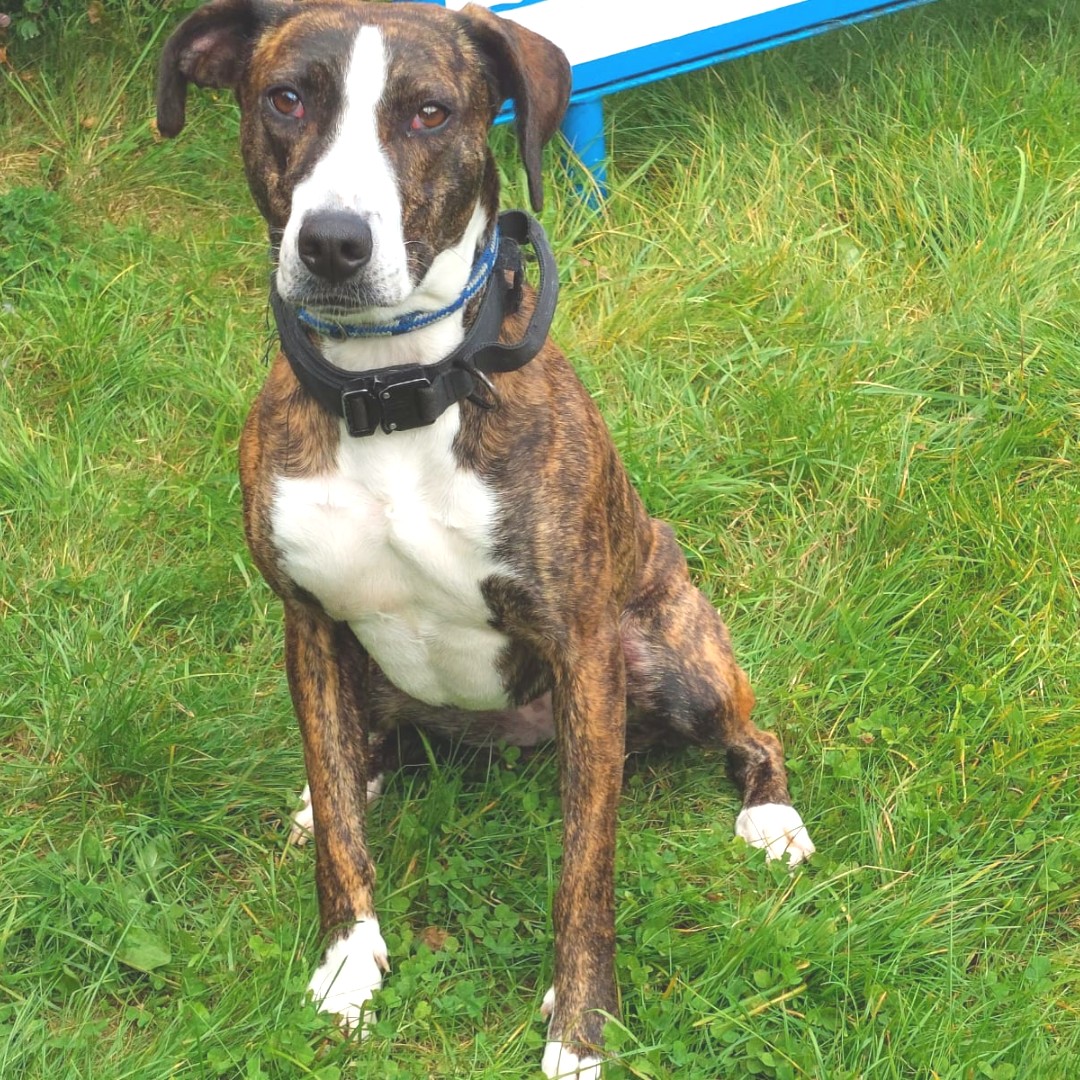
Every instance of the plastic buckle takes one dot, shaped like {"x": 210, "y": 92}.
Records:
{"x": 390, "y": 402}
{"x": 360, "y": 407}
{"x": 398, "y": 402}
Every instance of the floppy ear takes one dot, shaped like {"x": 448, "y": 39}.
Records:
{"x": 211, "y": 47}
{"x": 535, "y": 74}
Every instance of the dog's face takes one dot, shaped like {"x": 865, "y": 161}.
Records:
{"x": 343, "y": 116}
{"x": 364, "y": 134}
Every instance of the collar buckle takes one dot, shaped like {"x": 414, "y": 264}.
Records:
{"x": 394, "y": 401}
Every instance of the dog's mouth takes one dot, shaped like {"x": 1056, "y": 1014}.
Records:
{"x": 369, "y": 297}
{"x": 352, "y": 301}
{"x": 335, "y": 303}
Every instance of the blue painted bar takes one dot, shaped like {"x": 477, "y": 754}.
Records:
{"x": 583, "y": 128}
{"x": 724, "y": 41}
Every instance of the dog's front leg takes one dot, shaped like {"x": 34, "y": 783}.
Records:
{"x": 590, "y": 716}
{"x": 326, "y": 668}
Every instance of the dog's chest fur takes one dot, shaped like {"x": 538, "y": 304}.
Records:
{"x": 396, "y": 541}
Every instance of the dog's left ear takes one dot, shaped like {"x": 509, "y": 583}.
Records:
{"x": 211, "y": 47}
{"x": 535, "y": 74}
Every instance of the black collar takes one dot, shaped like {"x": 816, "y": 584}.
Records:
{"x": 412, "y": 395}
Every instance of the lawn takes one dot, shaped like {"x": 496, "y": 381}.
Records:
{"x": 831, "y": 312}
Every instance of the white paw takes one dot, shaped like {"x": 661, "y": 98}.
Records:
{"x": 351, "y": 972}
{"x": 776, "y": 828}
{"x": 303, "y": 821}
{"x": 560, "y": 1061}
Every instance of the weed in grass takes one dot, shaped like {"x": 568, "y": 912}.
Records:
{"x": 28, "y": 220}
{"x": 830, "y": 312}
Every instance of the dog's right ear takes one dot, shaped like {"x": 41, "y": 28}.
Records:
{"x": 535, "y": 73}
{"x": 211, "y": 47}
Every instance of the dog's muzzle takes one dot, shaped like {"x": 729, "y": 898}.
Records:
{"x": 335, "y": 245}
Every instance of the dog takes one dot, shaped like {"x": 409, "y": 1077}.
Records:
{"x": 427, "y": 485}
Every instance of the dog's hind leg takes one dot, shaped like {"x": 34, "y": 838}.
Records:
{"x": 683, "y": 681}
{"x": 303, "y": 820}
{"x": 327, "y": 672}
{"x": 398, "y": 742}
{"x": 382, "y": 761}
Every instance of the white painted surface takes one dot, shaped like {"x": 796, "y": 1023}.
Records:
{"x": 591, "y": 29}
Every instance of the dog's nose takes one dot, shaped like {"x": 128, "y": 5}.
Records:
{"x": 334, "y": 244}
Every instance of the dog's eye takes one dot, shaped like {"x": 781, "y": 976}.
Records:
{"x": 286, "y": 101}
{"x": 429, "y": 116}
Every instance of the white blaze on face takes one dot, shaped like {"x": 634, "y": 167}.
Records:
{"x": 355, "y": 174}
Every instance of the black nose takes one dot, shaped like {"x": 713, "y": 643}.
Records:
{"x": 334, "y": 244}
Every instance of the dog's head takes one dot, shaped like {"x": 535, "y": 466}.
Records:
{"x": 364, "y": 134}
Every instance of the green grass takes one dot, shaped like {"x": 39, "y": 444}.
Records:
{"x": 832, "y": 314}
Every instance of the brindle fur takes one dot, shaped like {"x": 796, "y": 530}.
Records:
{"x": 608, "y": 620}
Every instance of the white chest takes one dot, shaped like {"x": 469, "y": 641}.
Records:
{"x": 396, "y": 542}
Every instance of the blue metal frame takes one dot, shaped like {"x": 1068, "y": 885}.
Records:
{"x": 595, "y": 79}
{"x": 724, "y": 42}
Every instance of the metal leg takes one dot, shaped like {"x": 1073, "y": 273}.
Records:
{"x": 583, "y": 127}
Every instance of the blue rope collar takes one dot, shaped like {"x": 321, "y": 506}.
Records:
{"x": 411, "y": 320}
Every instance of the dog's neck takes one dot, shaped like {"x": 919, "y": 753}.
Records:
{"x": 414, "y": 394}
{"x": 444, "y": 282}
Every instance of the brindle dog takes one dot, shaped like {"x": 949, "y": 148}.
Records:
{"x": 492, "y": 574}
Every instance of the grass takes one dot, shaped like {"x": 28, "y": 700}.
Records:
{"x": 831, "y": 314}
